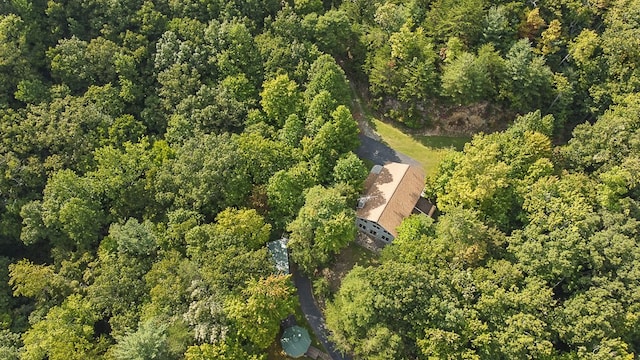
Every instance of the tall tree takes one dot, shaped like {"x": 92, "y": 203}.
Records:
{"x": 118, "y": 290}
{"x": 494, "y": 173}
{"x": 530, "y": 81}
{"x": 335, "y": 138}
{"x": 467, "y": 78}
{"x": 448, "y": 18}
{"x": 285, "y": 193}
{"x": 325, "y": 225}
{"x": 263, "y": 304}
{"x": 228, "y": 350}
{"x": 245, "y": 226}
{"x": 70, "y": 212}
{"x": 608, "y": 141}
{"x": 326, "y": 75}
{"x": 335, "y": 35}
{"x": 280, "y": 98}
{"x": 201, "y": 181}
{"x": 67, "y": 332}
{"x": 13, "y": 61}
{"x": 149, "y": 341}
{"x": 265, "y": 156}
{"x": 404, "y": 68}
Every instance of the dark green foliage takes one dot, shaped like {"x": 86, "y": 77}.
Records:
{"x": 78, "y": 63}
{"x": 264, "y": 157}
{"x": 335, "y": 138}
{"x": 368, "y": 306}
{"x": 213, "y": 110}
{"x": 6, "y": 300}
{"x": 326, "y": 75}
{"x": 324, "y": 225}
{"x": 404, "y": 68}
{"x": 467, "y": 78}
{"x": 352, "y": 171}
{"x": 292, "y": 131}
{"x": 10, "y": 344}
{"x": 148, "y": 149}
{"x": 609, "y": 141}
{"x": 558, "y": 283}
{"x": 285, "y": 192}
{"x": 334, "y": 35}
{"x": 319, "y": 112}
{"x": 118, "y": 290}
{"x": 448, "y": 18}
{"x": 207, "y": 176}
{"x": 14, "y": 55}
{"x": 530, "y": 81}
{"x": 497, "y": 28}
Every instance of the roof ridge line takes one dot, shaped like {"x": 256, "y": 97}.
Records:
{"x": 406, "y": 170}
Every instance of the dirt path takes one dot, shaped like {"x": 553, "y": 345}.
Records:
{"x": 358, "y": 113}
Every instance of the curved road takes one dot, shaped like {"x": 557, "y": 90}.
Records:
{"x": 313, "y": 314}
{"x": 373, "y": 149}
{"x": 379, "y": 153}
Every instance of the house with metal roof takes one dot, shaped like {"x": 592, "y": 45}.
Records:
{"x": 392, "y": 193}
{"x": 280, "y": 255}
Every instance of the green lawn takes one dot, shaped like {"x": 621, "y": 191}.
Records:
{"x": 427, "y": 150}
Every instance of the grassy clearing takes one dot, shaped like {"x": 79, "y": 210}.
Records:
{"x": 427, "y": 150}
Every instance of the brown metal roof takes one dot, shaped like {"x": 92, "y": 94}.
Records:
{"x": 392, "y": 195}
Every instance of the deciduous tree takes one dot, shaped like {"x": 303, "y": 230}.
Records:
{"x": 325, "y": 225}
{"x": 263, "y": 304}
{"x": 67, "y": 332}
{"x": 285, "y": 193}
{"x": 280, "y": 98}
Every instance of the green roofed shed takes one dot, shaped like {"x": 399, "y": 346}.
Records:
{"x": 295, "y": 341}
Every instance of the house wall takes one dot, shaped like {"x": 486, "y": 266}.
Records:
{"x": 374, "y": 230}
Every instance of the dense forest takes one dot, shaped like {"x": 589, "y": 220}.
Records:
{"x": 149, "y": 149}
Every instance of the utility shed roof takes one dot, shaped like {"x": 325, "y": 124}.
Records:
{"x": 392, "y": 194}
{"x": 425, "y": 207}
{"x": 278, "y": 250}
{"x": 295, "y": 341}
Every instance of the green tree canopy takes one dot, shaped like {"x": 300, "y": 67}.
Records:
{"x": 149, "y": 341}
{"x": 280, "y": 98}
{"x": 264, "y": 303}
{"x": 324, "y": 225}
{"x": 67, "y": 332}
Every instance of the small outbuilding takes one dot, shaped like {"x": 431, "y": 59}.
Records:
{"x": 392, "y": 193}
{"x": 295, "y": 341}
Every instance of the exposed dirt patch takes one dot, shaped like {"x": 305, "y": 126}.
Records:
{"x": 437, "y": 118}
{"x": 354, "y": 254}
{"x": 468, "y": 120}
